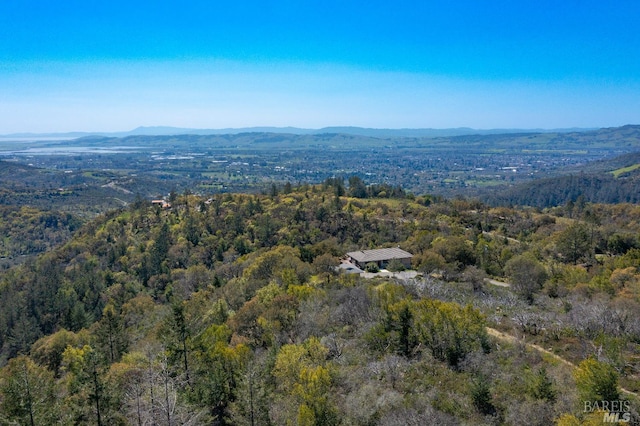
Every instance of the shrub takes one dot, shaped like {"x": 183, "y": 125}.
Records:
{"x": 372, "y": 267}
{"x": 395, "y": 265}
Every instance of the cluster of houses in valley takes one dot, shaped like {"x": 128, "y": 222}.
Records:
{"x": 357, "y": 262}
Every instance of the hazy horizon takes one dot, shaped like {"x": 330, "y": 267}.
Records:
{"x": 163, "y": 129}
{"x": 113, "y": 66}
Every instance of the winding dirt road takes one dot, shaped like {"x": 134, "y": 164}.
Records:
{"x": 512, "y": 339}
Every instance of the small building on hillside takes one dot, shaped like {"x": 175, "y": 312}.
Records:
{"x": 380, "y": 257}
{"x": 162, "y": 203}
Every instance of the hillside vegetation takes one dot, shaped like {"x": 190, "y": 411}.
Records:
{"x": 81, "y": 193}
{"x": 228, "y": 310}
{"x": 609, "y": 181}
{"x": 27, "y": 231}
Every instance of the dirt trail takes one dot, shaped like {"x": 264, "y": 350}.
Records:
{"x": 496, "y": 282}
{"x": 504, "y": 336}
{"x": 512, "y": 339}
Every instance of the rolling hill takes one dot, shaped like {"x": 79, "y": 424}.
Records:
{"x": 608, "y": 181}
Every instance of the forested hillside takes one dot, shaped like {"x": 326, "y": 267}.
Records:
{"x": 610, "y": 181}
{"x": 229, "y": 310}
{"x": 82, "y": 193}
{"x": 27, "y": 231}
{"x": 564, "y": 189}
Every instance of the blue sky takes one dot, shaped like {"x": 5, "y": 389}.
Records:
{"x": 96, "y": 65}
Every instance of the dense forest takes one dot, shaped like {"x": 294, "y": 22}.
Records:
{"x": 28, "y": 231}
{"x": 609, "y": 181}
{"x": 229, "y": 310}
{"x": 561, "y": 190}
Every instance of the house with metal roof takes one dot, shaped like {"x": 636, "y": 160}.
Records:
{"x": 380, "y": 257}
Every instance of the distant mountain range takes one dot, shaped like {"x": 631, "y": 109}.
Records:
{"x": 358, "y": 131}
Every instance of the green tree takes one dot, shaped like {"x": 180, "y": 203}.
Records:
{"x": 395, "y": 265}
{"x": 313, "y": 389}
{"x": 303, "y": 377}
{"x": 176, "y": 335}
{"x": 575, "y": 243}
{"x": 621, "y": 243}
{"x": 48, "y": 350}
{"x": 398, "y": 328}
{"x": 372, "y": 267}
{"x": 449, "y": 330}
{"x": 88, "y": 394}
{"x": 357, "y": 187}
{"x": 456, "y": 250}
{"x": 429, "y": 261}
{"x": 596, "y": 381}
{"x": 28, "y": 394}
{"x": 110, "y": 334}
{"x": 218, "y": 367}
{"x": 253, "y": 394}
{"x": 481, "y": 396}
{"x": 542, "y": 387}
{"x": 527, "y": 276}
{"x": 159, "y": 249}
{"x": 191, "y": 229}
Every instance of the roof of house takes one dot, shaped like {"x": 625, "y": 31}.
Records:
{"x": 364, "y": 256}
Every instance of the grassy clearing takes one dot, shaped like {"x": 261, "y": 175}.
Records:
{"x": 484, "y": 183}
{"x": 617, "y": 173}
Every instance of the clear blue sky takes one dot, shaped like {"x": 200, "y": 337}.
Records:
{"x": 97, "y": 65}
